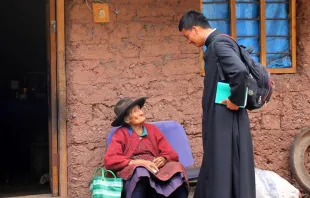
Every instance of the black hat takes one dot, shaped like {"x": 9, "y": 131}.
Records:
{"x": 123, "y": 106}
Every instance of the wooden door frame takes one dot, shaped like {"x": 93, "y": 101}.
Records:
{"x": 61, "y": 98}
{"x": 58, "y": 99}
{"x": 52, "y": 97}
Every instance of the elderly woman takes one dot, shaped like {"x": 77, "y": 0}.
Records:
{"x": 141, "y": 155}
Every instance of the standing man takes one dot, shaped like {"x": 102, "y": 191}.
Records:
{"x": 227, "y": 169}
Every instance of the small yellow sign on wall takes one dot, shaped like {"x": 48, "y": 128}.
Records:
{"x": 101, "y": 12}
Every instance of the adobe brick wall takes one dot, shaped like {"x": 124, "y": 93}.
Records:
{"x": 275, "y": 126}
{"x": 141, "y": 53}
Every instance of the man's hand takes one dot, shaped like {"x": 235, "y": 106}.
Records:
{"x": 230, "y": 105}
{"x": 160, "y": 162}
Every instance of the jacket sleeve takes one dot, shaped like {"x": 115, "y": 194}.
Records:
{"x": 114, "y": 158}
{"x": 234, "y": 68}
{"x": 165, "y": 149}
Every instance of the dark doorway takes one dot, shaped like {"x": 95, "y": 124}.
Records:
{"x": 24, "y": 149}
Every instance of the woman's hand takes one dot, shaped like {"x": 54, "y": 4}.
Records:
{"x": 148, "y": 164}
{"x": 160, "y": 162}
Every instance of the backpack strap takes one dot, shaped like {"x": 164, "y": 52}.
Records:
{"x": 220, "y": 69}
{"x": 239, "y": 48}
{"x": 219, "y": 66}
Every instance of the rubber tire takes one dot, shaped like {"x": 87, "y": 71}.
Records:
{"x": 297, "y": 159}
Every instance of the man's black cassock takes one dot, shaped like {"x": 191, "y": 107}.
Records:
{"x": 227, "y": 169}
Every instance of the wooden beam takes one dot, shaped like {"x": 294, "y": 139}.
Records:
{"x": 201, "y": 61}
{"x": 282, "y": 70}
{"x": 62, "y": 99}
{"x": 52, "y": 97}
{"x": 233, "y": 19}
{"x": 293, "y": 34}
{"x": 262, "y": 24}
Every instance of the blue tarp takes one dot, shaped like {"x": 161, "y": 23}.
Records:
{"x": 248, "y": 31}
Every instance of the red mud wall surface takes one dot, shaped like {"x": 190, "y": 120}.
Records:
{"x": 275, "y": 126}
{"x": 141, "y": 53}
{"x": 138, "y": 53}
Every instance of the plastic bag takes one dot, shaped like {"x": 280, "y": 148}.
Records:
{"x": 271, "y": 185}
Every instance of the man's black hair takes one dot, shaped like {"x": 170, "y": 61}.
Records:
{"x": 193, "y": 18}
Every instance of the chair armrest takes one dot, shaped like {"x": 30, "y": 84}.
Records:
{"x": 192, "y": 174}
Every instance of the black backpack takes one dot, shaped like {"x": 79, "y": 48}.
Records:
{"x": 259, "y": 81}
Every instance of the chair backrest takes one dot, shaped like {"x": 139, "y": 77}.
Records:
{"x": 176, "y": 136}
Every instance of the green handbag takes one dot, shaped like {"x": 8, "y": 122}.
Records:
{"x": 104, "y": 187}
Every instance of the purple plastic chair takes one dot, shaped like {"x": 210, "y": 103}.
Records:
{"x": 176, "y": 135}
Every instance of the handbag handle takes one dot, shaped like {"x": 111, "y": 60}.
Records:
{"x": 103, "y": 173}
{"x": 111, "y": 173}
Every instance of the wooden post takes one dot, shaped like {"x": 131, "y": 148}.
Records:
{"x": 52, "y": 98}
{"x": 62, "y": 99}
{"x": 233, "y": 19}
{"x": 293, "y": 34}
{"x": 262, "y": 24}
{"x": 201, "y": 61}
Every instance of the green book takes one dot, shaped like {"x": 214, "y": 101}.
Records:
{"x": 223, "y": 92}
